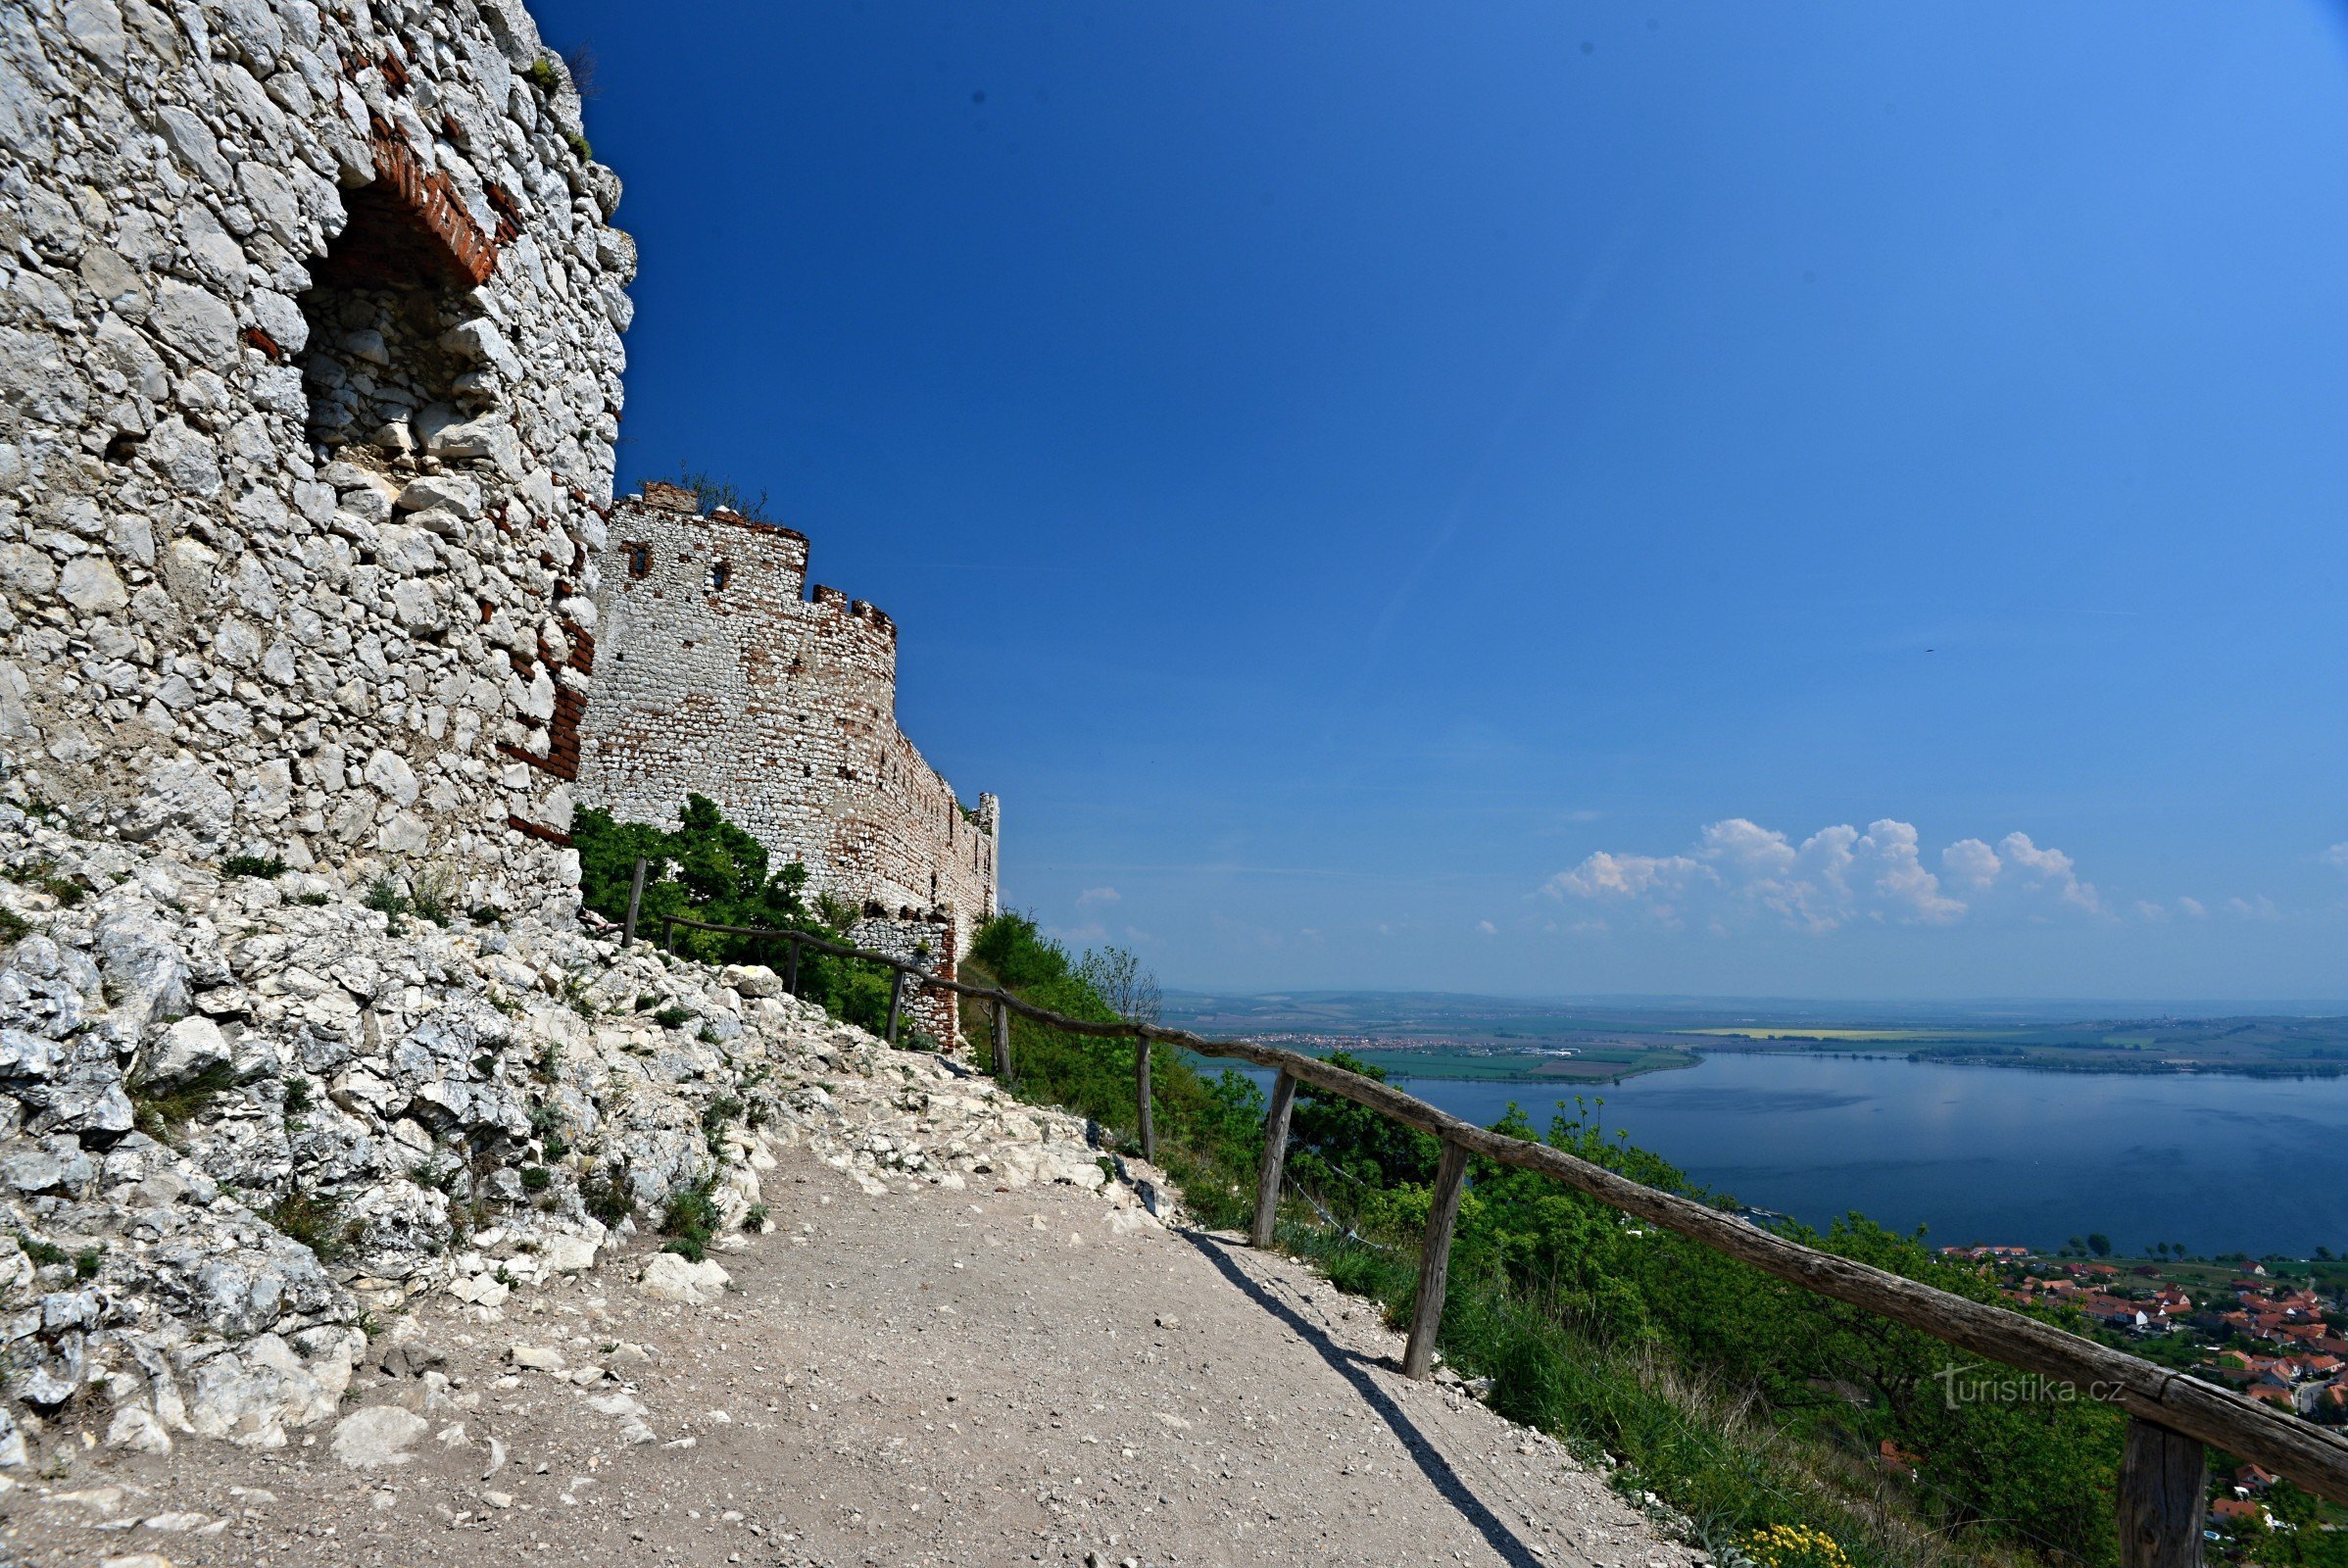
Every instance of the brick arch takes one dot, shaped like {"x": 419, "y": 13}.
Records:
{"x": 407, "y": 230}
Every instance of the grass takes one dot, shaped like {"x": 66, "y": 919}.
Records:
{"x": 673, "y": 1017}
{"x": 266, "y": 867}
{"x": 164, "y": 1114}
{"x": 13, "y": 928}
{"x": 716, "y": 1118}
{"x": 44, "y": 1254}
{"x": 315, "y": 1220}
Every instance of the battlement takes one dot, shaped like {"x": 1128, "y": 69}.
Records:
{"x": 717, "y": 677}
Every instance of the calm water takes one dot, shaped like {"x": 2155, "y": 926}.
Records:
{"x": 1986, "y": 1154}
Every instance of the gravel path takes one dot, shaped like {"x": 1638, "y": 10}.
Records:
{"x": 926, "y": 1377}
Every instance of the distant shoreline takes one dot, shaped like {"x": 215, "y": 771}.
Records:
{"x": 1500, "y": 1040}
{"x": 1503, "y": 1066}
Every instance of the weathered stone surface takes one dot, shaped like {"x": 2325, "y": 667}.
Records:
{"x": 185, "y": 1052}
{"x": 379, "y": 1436}
{"x": 667, "y": 1277}
{"x": 206, "y": 337}
{"x": 386, "y": 1086}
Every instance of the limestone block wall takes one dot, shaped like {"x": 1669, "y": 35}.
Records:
{"x": 718, "y": 673}
{"x": 928, "y": 941}
{"x": 309, "y": 374}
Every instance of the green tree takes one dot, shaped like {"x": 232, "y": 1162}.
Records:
{"x": 710, "y": 870}
{"x": 2099, "y": 1243}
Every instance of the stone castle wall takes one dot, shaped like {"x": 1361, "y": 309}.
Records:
{"x": 309, "y": 374}
{"x": 717, "y": 673}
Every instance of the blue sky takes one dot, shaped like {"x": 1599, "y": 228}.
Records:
{"x": 1418, "y": 496}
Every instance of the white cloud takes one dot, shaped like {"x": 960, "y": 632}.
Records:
{"x": 1488, "y": 928}
{"x": 2261, "y": 908}
{"x": 1739, "y": 872}
{"x": 1972, "y": 864}
{"x": 2337, "y": 855}
{"x": 2194, "y": 907}
{"x": 2051, "y": 869}
{"x": 1096, "y": 896}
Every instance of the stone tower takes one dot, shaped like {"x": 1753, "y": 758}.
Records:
{"x": 719, "y": 672}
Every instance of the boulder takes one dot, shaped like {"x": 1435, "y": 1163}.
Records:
{"x": 668, "y": 1277}
{"x": 185, "y": 1052}
{"x": 379, "y": 1436}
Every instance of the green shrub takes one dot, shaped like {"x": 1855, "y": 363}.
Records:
{"x": 604, "y": 1193}
{"x": 44, "y": 1254}
{"x": 689, "y": 1221}
{"x": 13, "y": 928}
{"x": 715, "y": 1117}
{"x": 383, "y": 896}
{"x": 536, "y": 1178}
{"x": 298, "y": 1094}
{"x": 316, "y": 901}
{"x": 673, "y": 1017}
{"x": 754, "y": 1218}
{"x": 266, "y": 867}
{"x": 89, "y": 1261}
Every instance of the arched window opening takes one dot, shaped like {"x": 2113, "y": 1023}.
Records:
{"x": 720, "y": 573}
{"x": 640, "y": 560}
{"x": 396, "y": 348}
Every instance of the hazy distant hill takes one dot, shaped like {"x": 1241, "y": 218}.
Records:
{"x": 1603, "y": 1037}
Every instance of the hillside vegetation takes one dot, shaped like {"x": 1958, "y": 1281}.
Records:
{"x": 1770, "y": 1419}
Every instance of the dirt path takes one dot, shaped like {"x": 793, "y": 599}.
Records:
{"x": 930, "y": 1377}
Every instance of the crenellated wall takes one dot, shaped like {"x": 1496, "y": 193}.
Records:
{"x": 309, "y": 374}
{"x": 717, "y": 673}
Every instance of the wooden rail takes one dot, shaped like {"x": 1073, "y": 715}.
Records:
{"x": 2173, "y": 1414}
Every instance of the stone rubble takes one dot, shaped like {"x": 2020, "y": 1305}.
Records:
{"x": 244, "y": 1123}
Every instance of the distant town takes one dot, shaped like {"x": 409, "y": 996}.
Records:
{"x": 2274, "y": 1330}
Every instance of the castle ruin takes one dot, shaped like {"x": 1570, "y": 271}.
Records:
{"x": 717, "y": 673}
{"x": 309, "y": 374}
{"x": 310, "y": 377}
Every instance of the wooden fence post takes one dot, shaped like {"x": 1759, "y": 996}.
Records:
{"x": 1267, "y": 1184}
{"x": 627, "y": 930}
{"x": 896, "y": 999}
{"x": 1435, "y": 1262}
{"x": 2163, "y": 1476}
{"x": 791, "y": 974}
{"x": 1003, "y": 1040}
{"x": 1141, "y": 1089}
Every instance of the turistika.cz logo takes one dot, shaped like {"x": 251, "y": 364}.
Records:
{"x": 1974, "y": 1383}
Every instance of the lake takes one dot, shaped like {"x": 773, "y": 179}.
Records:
{"x": 1988, "y": 1153}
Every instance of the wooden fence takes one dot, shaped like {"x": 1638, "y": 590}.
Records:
{"x": 2171, "y": 1414}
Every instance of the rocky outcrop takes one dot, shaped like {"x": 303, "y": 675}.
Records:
{"x": 244, "y": 1122}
